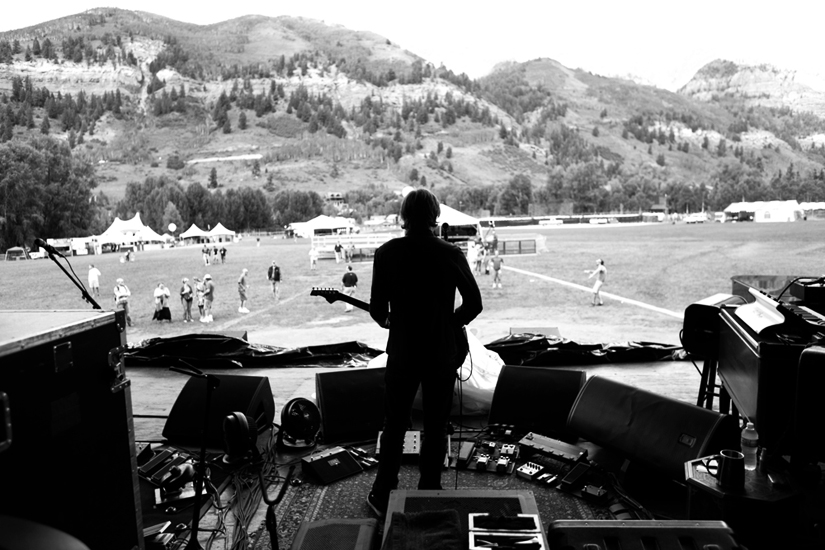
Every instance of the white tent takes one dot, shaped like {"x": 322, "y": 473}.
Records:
{"x": 768, "y": 211}
{"x": 461, "y": 224}
{"x": 323, "y": 225}
{"x": 220, "y": 234}
{"x": 129, "y": 231}
{"x": 194, "y": 232}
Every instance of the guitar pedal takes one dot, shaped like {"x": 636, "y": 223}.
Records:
{"x": 529, "y": 470}
{"x": 481, "y": 462}
{"x": 508, "y": 449}
{"x": 501, "y": 465}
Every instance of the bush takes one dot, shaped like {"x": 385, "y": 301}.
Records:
{"x": 175, "y": 163}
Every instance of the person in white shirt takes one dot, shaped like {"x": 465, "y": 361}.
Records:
{"x": 94, "y": 280}
{"x": 600, "y": 272}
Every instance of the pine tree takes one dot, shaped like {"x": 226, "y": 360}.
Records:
{"x": 213, "y": 178}
{"x": 242, "y": 121}
{"x": 256, "y": 169}
{"x": 45, "y": 126}
{"x": 227, "y": 127}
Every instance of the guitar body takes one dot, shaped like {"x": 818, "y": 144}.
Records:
{"x": 332, "y": 295}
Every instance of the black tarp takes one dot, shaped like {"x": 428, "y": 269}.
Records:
{"x": 536, "y": 350}
{"x": 221, "y": 351}
{"x": 206, "y": 351}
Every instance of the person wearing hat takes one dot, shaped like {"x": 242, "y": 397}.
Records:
{"x": 122, "y": 295}
{"x": 208, "y": 296}
{"x": 273, "y": 274}
{"x": 242, "y": 288}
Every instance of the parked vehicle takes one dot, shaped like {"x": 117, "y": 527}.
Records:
{"x": 697, "y": 217}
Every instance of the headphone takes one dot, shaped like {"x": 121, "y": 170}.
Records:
{"x": 240, "y": 436}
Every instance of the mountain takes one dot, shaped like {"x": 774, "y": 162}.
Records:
{"x": 762, "y": 85}
{"x": 294, "y": 104}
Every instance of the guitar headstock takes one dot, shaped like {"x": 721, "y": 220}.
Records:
{"x": 329, "y": 294}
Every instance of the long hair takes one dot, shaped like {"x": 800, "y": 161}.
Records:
{"x": 420, "y": 210}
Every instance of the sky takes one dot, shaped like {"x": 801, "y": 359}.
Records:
{"x": 661, "y": 42}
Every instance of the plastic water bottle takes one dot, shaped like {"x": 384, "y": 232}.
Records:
{"x": 750, "y": 446}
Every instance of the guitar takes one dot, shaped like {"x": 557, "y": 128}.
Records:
{"x": 332, "y": 295}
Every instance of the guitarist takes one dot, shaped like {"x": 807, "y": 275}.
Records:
{"x": 414, "y": 283}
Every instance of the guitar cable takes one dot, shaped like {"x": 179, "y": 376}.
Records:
{"x": 461, "y": 405}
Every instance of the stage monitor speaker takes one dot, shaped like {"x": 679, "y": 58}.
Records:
{"x": 337, "y": 534}
{"x": 658, "y": 431}
{"x": 67, "y": 460}
{"x": 700, "y": 328}
{"x": 536, "y": 399}
{"x": 351, "y": 403}
{"x": 250, "y": 395}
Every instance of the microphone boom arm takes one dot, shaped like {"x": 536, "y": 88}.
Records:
{"x": 84, "y": 293}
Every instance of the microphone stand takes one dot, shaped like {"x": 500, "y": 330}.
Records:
{"x": 84, "y": 293}
{"x": 212, "y": 382}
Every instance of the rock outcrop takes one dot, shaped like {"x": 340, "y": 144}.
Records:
{"x": 756, "y": 85}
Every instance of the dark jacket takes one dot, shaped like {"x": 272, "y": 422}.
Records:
{"x": 416, "y": 277}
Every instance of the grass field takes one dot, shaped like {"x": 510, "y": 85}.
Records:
{"x": 668, "y": 266}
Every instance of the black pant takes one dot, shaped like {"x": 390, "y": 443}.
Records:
{"x": 402, "y": 380}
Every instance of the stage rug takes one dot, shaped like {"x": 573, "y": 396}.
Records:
{"x": 346, "y": 499}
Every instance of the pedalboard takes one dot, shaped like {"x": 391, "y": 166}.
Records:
{"x": 553, "y": 448}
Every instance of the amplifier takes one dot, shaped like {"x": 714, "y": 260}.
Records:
{"x": 69, "y": 408}
{"x": 330, "y": 465}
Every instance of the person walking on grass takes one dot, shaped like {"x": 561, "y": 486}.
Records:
{"x": 186, "y": 296}
{"x": 208, "y": 297}
{"x": 425, "y": 344}
{"x": 273, "y": 274}
{"x": 350, "y": 282}
{"x": 313, "y": 258}
{"x": 338, "y": 250}
{"x": 94, "y": 280}
{"x": 496, "y": 260}
{"x": 600, "y": 272}
{"x": 243, "y": 287}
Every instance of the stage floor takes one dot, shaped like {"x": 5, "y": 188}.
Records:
{"x": 155, "y": 390}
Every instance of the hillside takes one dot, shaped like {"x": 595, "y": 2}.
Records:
{"x": 317, "y": 107}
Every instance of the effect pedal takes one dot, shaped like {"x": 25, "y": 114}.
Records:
{"x": 465, "y": 454}
{"x": 481, "y": 462}
{"x": 529, "y": 470}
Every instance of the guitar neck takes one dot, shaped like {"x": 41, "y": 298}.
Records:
{"x": 360, "y": 304}
{"x": 332, "y": 295}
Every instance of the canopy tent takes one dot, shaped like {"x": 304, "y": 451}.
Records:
{"x": 193, "y": 232}
{"x": 462, "y": 226}
{"x": 128, "y": 231}
{"x": 323, "y": 225}
{"x": 219, "y": 233}
{"x": 765, "y": 211}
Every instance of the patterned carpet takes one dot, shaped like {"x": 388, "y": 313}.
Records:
{"x": 346, "y": 499}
